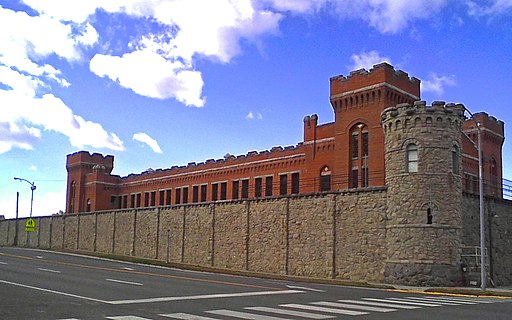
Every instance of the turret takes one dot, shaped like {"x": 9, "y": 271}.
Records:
{"x": 423, "y": 176}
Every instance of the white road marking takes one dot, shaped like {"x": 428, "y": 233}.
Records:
{"x": 205, "y": 296}
{"x": 127, "y": 318}
{"x": 125, "y": 282}
{"x": 53, "y": 291}
{"x": 243, "y": 315}
{"x": 461, "y": 299}
{"x": 39, "y": 257}
{"x": 290, "y": 312}
{"x": 379, "y": 304}
{"x": 323, "y": 309}
{"x": 440, "y": 301}
{"x": 305, "y": 288}
{"x": 127, "y": 268}
{"x": 353, "y": 306}
{"x": 412, "y": 302}
{"x": 185, "y": 316}
{"x": 4, "y": 263}
{"x": 48, "y": 270}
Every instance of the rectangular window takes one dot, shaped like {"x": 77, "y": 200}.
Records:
{"x": 215, "y": 191}
{"x": 365, "y": 144}
{"x": 125, "y": 201}
{"x": 295, "y": 183}
{"x": 258, "y": 185}
{"x": 177, "y": 197}
{"x": 132, "y": 201}
{"x": 161, "y": 199}
{"x": 204, "y": 191}
{"x": 283, "y": 184}
{"x": 195, "y": 194}
{"x": 245, "y": 189}
{"x": 168, "y": 197}
{"x": 153, "y": 198}
{"x": 113, "y": 202}
{"x": 325, "y": 182}
{"x": 139, "y": 196}
{"x": 223, "y": 190}
{"x": 185, "y": 195}
{"x": 146, "y": 199}
{"x": 364, "y": 178}
{"x": 355, "y": 146}
{"x": 236, "y": 187}
{"x": 268, "y": 186}
{"x": 354, "y": 178}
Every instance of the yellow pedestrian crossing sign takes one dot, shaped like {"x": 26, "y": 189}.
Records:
{"x": 30, "y": 225}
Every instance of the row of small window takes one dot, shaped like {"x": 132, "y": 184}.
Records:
{"x": 262, "y": 187}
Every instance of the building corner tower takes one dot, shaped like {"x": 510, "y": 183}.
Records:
{"x": 423, "y": 177}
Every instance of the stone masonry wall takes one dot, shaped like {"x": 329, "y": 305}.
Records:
{"x": 498, "y": 235}
{"x": 332, "y": 235}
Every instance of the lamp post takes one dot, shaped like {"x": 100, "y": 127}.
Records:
{"x": 483, "y": 269}
{"x": 32, "y": 188}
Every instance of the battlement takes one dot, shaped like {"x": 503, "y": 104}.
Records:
{"x": 486, "y": 121}
{"x": 380, "y": 74}
{"x": 227, "y": 160}
{"x": 439, "y": 114}
{"x": 95, "y": 160}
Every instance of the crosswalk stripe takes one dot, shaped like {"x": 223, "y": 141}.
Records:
{"x": 185, "y": 316}
{"x": 441, "y": 301}
{"x": 380, "y": 304}
{"x": 474, "y": 300}
{"x": 243, "y": 315}
{"x": 290, "y": 312}
{"x": 388, "y": 300}
{"x": 127, "y": 318}
{"x": 353, "y": 306}
{"x": 408, "y": 301}
{"x": 323, "y": 309}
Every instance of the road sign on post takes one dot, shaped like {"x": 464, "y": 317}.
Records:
{"x": 30, "y": 225}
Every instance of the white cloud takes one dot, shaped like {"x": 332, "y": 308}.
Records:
{"x": 145, "y": 138}
{"x": 32, "y": 168}
{"x": 437, "y": 83}
{"x": 366, "y": 60}
{"x": 496, "y": 7}
{"x": 254, "y": 116}
{"x": 151, "y": 75}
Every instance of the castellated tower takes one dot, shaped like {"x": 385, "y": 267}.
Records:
{"x": 424, "y": 219}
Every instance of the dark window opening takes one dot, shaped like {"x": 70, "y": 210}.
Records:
{"x": 215, "y": 191}
{"x": 177, "y": 197}
{"x": 245, "y": 189}
{"x": 236, "y": 187}
{"x": 195, "y": 194}
{"x": 268, "y": 186}
{"x": 161, "y": 199}
{"x": 168, "y": 197}
{"x": 139, "y": 200}
{"x": 295, "y": 183}
{"x": 258, "y": 185}
{"x": 185, "y": 195}
{"x": 132, "y": 201}
{"x": 153, "y": 198}
{"x": 223, "y": 190}
{"x": 204, "y": 190}
{"x": 146, "y": 199}
{"x": 283, "y": 184}
{"x": 325, "y": 179}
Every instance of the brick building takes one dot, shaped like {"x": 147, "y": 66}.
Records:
{"x": 348, "y": 153}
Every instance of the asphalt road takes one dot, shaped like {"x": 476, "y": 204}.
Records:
{"x": 38, "y": 284}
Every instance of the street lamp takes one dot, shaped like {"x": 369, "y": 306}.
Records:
{"x": 483, "y": 273}
{"x": 32, "y": 188}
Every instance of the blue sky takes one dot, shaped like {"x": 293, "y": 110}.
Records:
{"x": 161, "y": 83}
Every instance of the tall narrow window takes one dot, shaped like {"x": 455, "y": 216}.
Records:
{"x": 325, "y": 179}
{"x": 295, "y": 183}
{"x": 72, "y": 197}
{"x": 185, "y": 195}
{"x": 268, "y": 186}
{"x": 215, "y": 191}
{"x": 168, "y": 197}
{"x": 412, "y": 158}
{"x": 138, "y": 204}
{"x": 223, "y": 190}
{"x": 177, "y": 197}
{"x": 132, "y": 201}
{"x": 258, "y": 185}
{"x": 283, "y": 184}
{"x": 195, "y": 194}
{"x": 153, "y": 198}
{"x": 359, "y": 151}
{"x": 204, "y": 191}
{"x": 245, "y": 189}
{"x": 161, "y": 198}
{"x": 455, "y": 160}
{"x": 146, "y": 199}
{"x": 235, "y": 190}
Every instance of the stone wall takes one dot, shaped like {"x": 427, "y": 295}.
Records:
{"x": 333, "y": 235}
{"x": 498, "y": 235}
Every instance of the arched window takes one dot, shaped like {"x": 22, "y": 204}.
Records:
{"x": 359, "y": 156}
{"x": 325, "y": 179}
{"x": 412, "y": 158}
{"x": 455, "y": 160}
